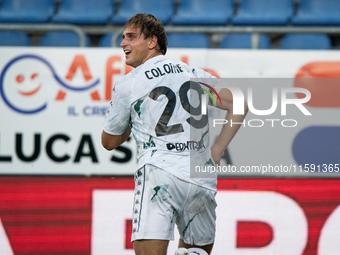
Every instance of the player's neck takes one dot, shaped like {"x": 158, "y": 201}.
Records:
{"x": 152, "y": 55}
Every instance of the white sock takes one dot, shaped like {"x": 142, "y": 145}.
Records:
{"x": 182, "y": 251}
{"x": 197, "y": 251}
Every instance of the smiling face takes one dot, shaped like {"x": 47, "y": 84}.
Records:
{"x": 20, "y": 80}
{"x": 137, "y": 49}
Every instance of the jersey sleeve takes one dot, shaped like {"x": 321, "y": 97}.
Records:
{"x": 206, "y": 78}
{"x": 117, "y": 116}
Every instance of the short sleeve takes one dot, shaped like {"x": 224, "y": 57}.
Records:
{"x": 204, "y": 77}
{"x": 117, "y": 116}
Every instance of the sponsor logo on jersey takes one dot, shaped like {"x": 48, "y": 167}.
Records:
{"x": 189, "y": 145}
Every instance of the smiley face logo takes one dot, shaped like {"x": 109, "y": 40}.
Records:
{"x": 22, "y": 87}
{"x": 20, "y": 79}
{"x": 28, "y": 81}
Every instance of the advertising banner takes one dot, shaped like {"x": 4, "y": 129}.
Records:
{"x": 53, "y": 102}
{"x": 52, "y": 107}
{"x": 82, "y": 215}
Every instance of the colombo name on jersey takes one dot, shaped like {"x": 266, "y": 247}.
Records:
{"x": 164, "y": 113}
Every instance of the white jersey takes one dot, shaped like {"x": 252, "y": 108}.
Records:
{"x": 155, "y": 99}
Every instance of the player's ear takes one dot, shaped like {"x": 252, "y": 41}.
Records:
{"x": 153, "y": 42}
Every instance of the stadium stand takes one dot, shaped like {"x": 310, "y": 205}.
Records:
{"x": 162, "y": 10}
{"x": 264, "y": 12}
{"x": 202, "y": 12}
{"x": 23, "y": 11}
{"x": 214, "y": 18}
{"x": 306, "y": 42}
{"x": 245, "y": 41}
{"x": 62, "y": 39}
{"x": 106, "y": 40}
{"x": 318, "y": 12}
{"x": 90, "y": 12}
{"x": 14, "y": 38}
{"x": 182, "y": 40}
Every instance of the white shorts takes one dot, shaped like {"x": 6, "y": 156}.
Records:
{"x": 161, "y": 200}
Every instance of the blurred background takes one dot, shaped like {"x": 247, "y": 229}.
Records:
{"x": 275, "y": 24}
{"x": 61, "y": 193}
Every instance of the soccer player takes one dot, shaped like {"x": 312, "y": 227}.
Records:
{"x": 154, "y": 101}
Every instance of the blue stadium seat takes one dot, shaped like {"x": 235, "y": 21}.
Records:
{"x": 318, "y": 12}
{"x": 161, "y": 9}
{"x": 306, "y": 42}
{"x": 179, "y": 40}
{"x": 202, "y": 12}
{"x": 264, "y": 12}
{"x": 106, "y": 40}
{"x": 244, "y": 41}
{"x": 24, "y": 11}
{"x": 14, "y": 38}
{"x": 62, "y": 39}
{"x": 84, "y": 12}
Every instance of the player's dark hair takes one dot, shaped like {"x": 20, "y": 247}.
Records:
{"x": 149, "y": 26}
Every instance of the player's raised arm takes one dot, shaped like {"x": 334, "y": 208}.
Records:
{"x": 111, "y": 142}
{"x": 228, "y": 131}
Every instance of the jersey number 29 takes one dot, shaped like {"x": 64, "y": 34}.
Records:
{"x": 162, "y": 127}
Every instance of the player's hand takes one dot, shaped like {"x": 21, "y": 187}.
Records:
{"x": 216, "y": 155}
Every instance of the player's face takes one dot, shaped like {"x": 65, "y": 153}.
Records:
{"x": 135, "y": 47}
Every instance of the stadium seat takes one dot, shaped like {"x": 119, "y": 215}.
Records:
{"x": 179, "y": 40}
{"x": 106, "y": 40}
{"x": 14, "y": 38}
{"x": 318, "y": 12}
{"x": 202, "y": 12}
{"x": 306, "y": 42}
{"x": 264, "y": 12}
{"x": 244, "y": 41}
{"x": 62, "y": 39}
{"x": 24, "y": 11}
{"x": 128, "y": 8}
{"x": 84, "y": 12}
